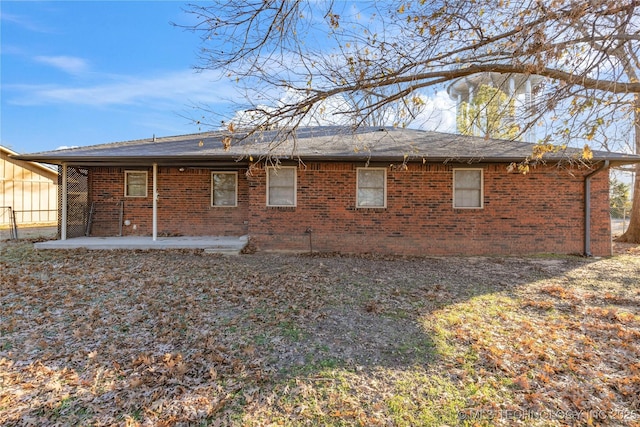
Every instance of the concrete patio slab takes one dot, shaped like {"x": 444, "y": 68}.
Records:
{"x": 229, "y": 245}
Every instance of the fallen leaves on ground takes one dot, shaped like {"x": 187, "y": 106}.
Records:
{"x": 184, "y": 337}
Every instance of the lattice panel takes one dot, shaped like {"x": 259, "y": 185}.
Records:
{"x": 77, "y": 201}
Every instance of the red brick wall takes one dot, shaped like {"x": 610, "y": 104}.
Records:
{"x": 542, "y": 211}
{"x": 184, "y": 205}
{"x": 600, "y": 215}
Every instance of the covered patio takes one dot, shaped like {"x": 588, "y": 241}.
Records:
{"x": 228, "y": 245}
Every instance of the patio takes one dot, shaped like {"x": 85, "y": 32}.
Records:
{"x": 229, "y": 245}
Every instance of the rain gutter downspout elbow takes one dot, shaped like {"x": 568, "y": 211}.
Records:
{"x": 587, "y": 208}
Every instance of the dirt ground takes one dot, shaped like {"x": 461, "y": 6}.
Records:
{"x": 626, "y": 248}
{"x": 32, "y": 232}
{"x": 188, "y": 338}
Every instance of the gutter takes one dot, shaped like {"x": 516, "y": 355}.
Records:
{"x": 587, "y": 208}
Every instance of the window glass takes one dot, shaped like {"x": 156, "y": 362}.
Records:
{"x": 135, "y": 184}
{"x": 224, "y": 189}
{"x": 371, "y": 188}
{"x": 467, "y": 188}
{"x": 281, "y": 186}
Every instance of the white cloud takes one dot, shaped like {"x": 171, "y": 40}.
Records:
{"x": 438, "y": 114}
{"x": 23, "y": 22}
{"x": 68, "y": 64}
{"x": 179, "y": 89}
{"x": 175, "y": 89}
{"x": 329, "y": 112}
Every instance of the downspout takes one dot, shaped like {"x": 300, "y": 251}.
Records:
{"x": 63, "y": 213}
{"x": 155, "y": 202}
{"x": 587, "y": 208}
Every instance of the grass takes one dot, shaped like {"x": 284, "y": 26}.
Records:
{"x": 291, "y": 331}
{"x": 179, "y": 338}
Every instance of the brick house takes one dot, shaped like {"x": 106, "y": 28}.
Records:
{"x": 388, "y": 190}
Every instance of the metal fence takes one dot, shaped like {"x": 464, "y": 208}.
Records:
{"x": 8, "y": 217}
{"x": 17, "y": 224}
{"x": 619, "y": 225}
{"x": 27, "y": 216}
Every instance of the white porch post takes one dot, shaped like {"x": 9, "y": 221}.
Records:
{"x": 63, "y": 213}
{"x": 155, "y": 201}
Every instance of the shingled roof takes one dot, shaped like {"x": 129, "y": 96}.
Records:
{"x": 312, "y": 143}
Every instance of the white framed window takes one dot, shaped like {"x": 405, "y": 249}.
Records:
{"x": 468, "y": 188}
{"x": 371, "y": 191}
{"x": 224, "y": 189}
{"x": 281, "y": 185}
{"x": 135, "y": 183}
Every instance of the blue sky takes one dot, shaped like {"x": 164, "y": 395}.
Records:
{"x": 75, "y": 73}
{"x": 89, "y": 72}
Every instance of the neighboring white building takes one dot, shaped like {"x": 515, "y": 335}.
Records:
{"x": 30, "y": 189}
{"x": 520, "y": 87}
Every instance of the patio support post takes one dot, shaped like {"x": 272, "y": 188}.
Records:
{"x": 155, "y": 201}
{"x": 63, "y": 213}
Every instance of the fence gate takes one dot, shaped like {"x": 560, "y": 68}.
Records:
{"x": 8, "y": 215}
{"x": 77, "y": 201}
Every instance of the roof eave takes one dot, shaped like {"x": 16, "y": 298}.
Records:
{"x": 244, "y": 159}
{"x": 36, "y": 163}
